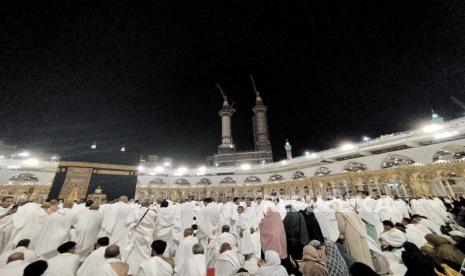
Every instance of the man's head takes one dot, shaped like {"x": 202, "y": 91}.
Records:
{"x": 225, "y": 199}
{"x": 225, "y": 247}
{"x": 112, "y": 251}
{"x": 145, "y": 203}
{"x": 88, "y": 203}
{"x": 158, "y": 247}
{"x": 104, "y": 241}
{"x": 188, "y": 232}
{"x": 94, "y": 206}
{"x": 396, "y": 198}
{"x": 164, "y": 203}
{"x": 67, "y": 247}
{"x": 259, "y": 200}
{"x": 23, "y": 243}
{"x": 7, "y": 201}
{"x": 248, "y": 202}
{"x": 197, "y": 249}
{"x": 207, "y": 201}
{"x": 240, "y": 209}
{"x": 182, "y": 200}
{"x": 123, "y": 199}
{"x": 15, "y": 257}
{"x": 35, "y": 268}
{"x": 236, "y": 200}
{"x": 388, "y": 225}
{"x": 225, "y": 229}
{"x": 405, "y": 221}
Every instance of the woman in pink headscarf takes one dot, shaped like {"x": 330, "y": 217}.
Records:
{"x": 272, "y": 234}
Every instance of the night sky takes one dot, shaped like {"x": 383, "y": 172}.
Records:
{"x": 142, "y": 73}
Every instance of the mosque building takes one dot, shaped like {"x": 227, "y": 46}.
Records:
{"x": 429, "y": 160}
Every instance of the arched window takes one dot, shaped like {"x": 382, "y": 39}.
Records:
{"x": 395, "y": 160}
{"x": 322, "y": 171}
{"x": 252, "y": 179}
{"x": 228, "y": 180}
{"x": 276, "y": 177}
{"x": 204, "y": 181}
{"x": 181, "y": 181}
{"x": 298, "y": 175}
{"x": 355, "y": 167}
{"x": 157, "y": 181}
{"x": 449, "y": 152}
{"x": 23, "y": 179}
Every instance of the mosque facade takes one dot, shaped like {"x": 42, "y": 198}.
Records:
{"x": 425, "y": 161}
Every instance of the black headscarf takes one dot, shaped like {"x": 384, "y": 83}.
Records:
{"x": 362, "y": 269}
{"x": 416, "y": 262}
{"x": 313, "y": 228}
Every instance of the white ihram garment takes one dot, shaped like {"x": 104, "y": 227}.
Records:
{"x": 65, "y": 264}
{"x": 94, "y": 261}
{"x": 194, "y": 266}
{"x": 139, "y": 238}
{"x": 164, "y": 226}
{"x": 86, "y": 231}
{"x": 184, "y": 252}
{"x": 29, "y": 255}
{"x": 115, "y": 224}
{"x": 155, "y": 266}
{"x": 54, "y": 232}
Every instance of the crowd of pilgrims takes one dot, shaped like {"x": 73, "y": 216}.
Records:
{"x": 360, "y": 235}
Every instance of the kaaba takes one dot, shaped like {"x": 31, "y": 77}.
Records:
{"x": 79, "y": 175}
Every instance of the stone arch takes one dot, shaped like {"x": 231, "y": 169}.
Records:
{"x": 182, "y": 181}
{"x": 449, "y": 152}
{"x": 228, "y": 180}
{"x": 204, "y": 181}
{"x": 252, "y": 179}
{"x": 355, "y": 166}
{"x": 322, "y": 171}
{"x": 275, "y": 177}
{"x": 298, "y": 175}
{"x": 157, "y": 181}
{"x": 23, "y": 179}
{"x": 395, "y": 160}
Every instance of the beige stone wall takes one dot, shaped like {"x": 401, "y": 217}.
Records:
{"x": 412, "y": 180}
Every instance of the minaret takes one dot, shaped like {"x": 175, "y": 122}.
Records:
{"x": 225, "y": 113}
{"x": 260, "y": 123}
{"x": 288, "y": 148}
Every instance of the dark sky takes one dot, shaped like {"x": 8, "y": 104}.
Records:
{"x": 142, "y": 73}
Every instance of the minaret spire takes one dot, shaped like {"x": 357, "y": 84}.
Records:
{"x": 226, "y": 134}
{"x": 260, "y": 125}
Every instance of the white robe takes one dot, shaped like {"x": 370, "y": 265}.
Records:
{"x": 184, "y": 251}
{"x": 65, "y": 264}
{"x": 6, "y": 229}
{"x": 226, "y": 237}
{"x": 155, "y": 266}
{"x": 27, "y": 223}
{"x": 29, "y": 255}
{"x": 14, "y": 268}
{"x": 228, "y": 263}
{"x": 245, "y": 243}
{"x": 226, "y": 213}
{"x": 400, "y": 211}
{"x": 415, "y": 235}
{"x": 186, "y": 215}
{"x": 86, "y": 231}
{"x": 207, "y": 223}
{"x": 164, "y": 226}
{"x": 328, "y": 224}
{"x": 194, "y": 266}
{"x": 139, "y": 238}
{"x": 394, "y": 238}
{"x": 115, "y": 224}
{"x": 54, "y": 232}
{"x": 95, "y": 260}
